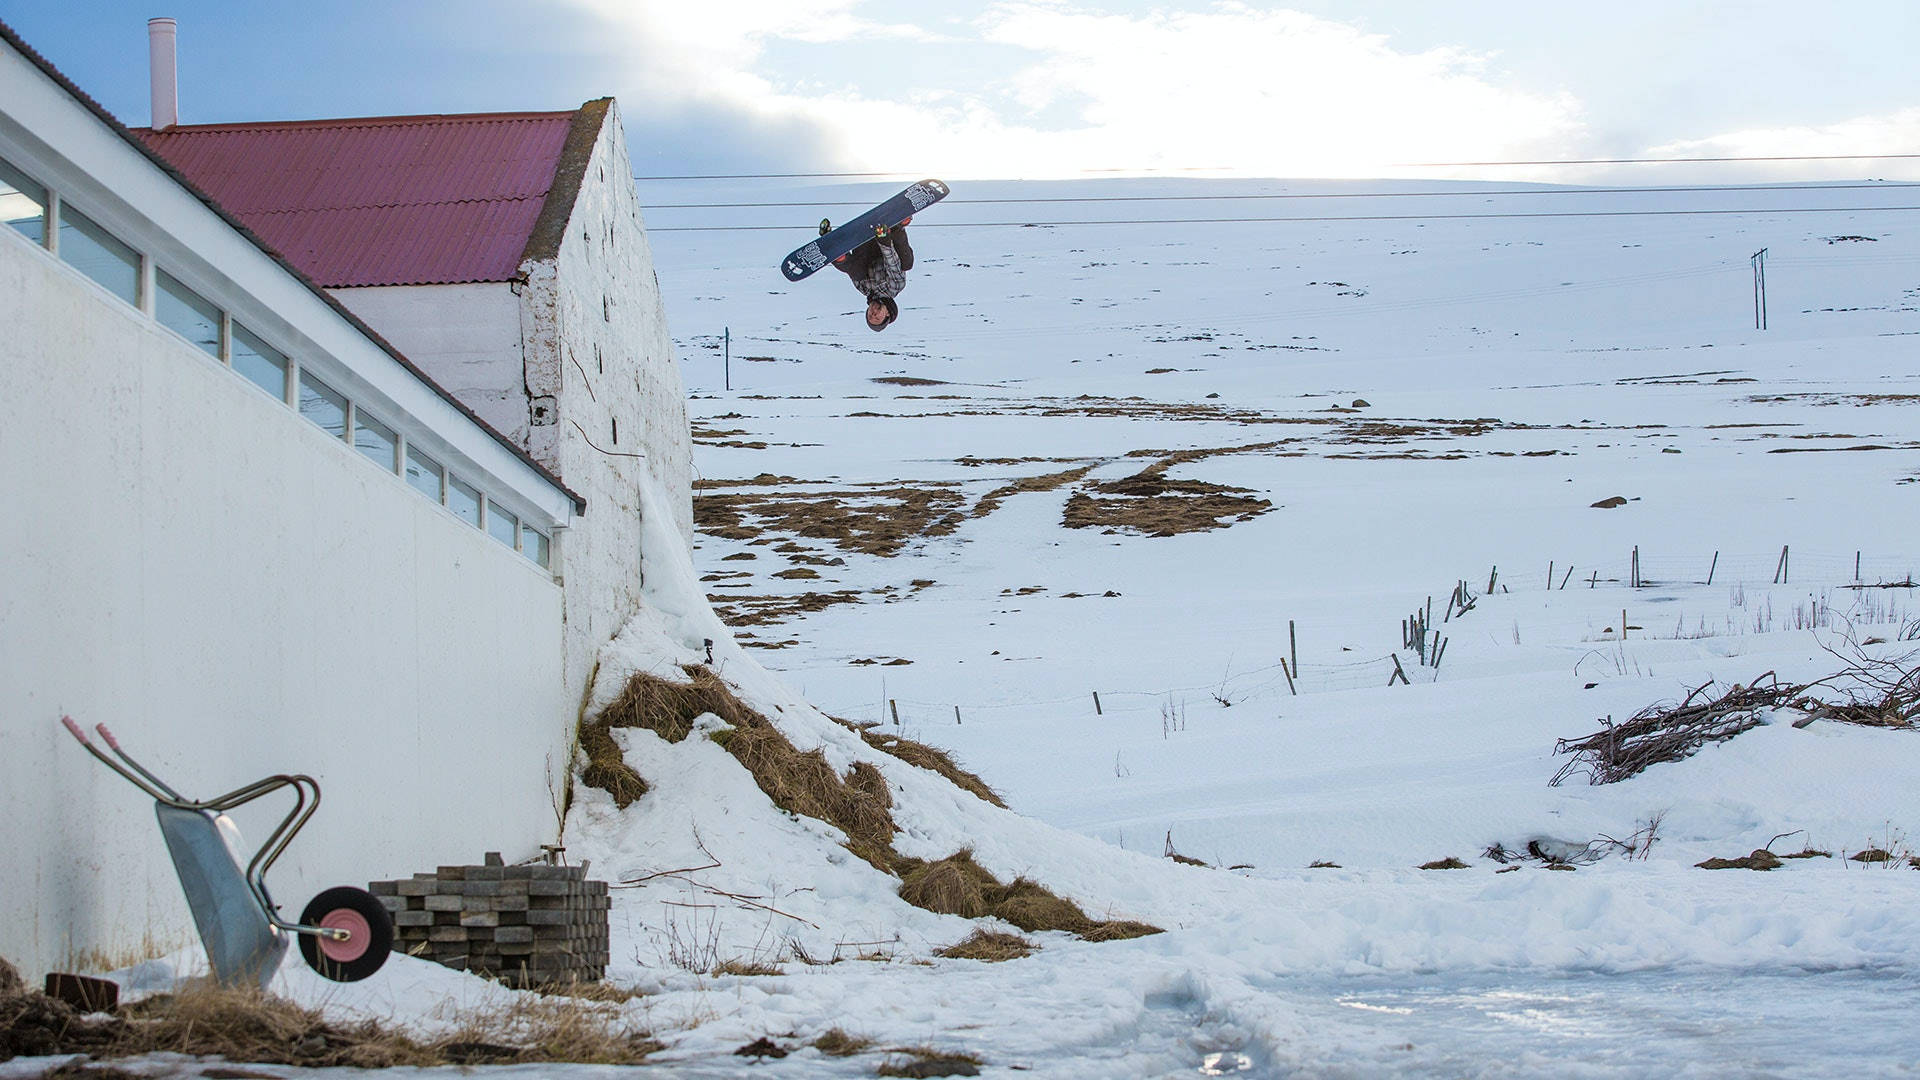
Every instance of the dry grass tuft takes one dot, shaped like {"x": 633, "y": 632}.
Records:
{"x": 990, "y": 946}
{"x": 955, "y": 885}
{"x": 924, "y": 1061}
{"x": 1761, "y": 859}
{"x": 1448, "y": 863}
{"x": 920, "y": 755}
{"x": 1119, "y": 930}
{"x": 1033, "y": 907}
{"x": 668, "y": 709}
{"x": 835, "y": 1042}
{"x": 744, "y": 967}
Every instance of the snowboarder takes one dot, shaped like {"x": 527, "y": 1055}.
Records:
{"x": 879, "y": 270}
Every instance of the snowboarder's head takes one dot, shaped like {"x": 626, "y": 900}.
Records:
{"x": 881, "y": 311}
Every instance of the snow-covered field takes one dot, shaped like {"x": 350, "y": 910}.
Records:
{"x": 1421, "y": 405}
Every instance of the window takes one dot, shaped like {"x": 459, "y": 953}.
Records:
{"x": 261, "y": 363}
{"x": 376, "y": 440}
{"x": 100, "y": 255}
{"x": 23, "y": 204}
{"x": 464, "y": 500}
{"x": 534, "y": 544}
{"x": 186, "y": 313}
{"x": 501, "y": 525}
{"x": 323, "y": 405}
{"x": 424, "y": 474}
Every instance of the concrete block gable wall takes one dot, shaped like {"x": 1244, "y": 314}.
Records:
{"x": 605, "y": 401}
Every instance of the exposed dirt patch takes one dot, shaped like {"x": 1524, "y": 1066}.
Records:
{"x": 908, "y": 380}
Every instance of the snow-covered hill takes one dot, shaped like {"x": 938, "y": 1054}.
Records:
{"x": 1069, "y": 517}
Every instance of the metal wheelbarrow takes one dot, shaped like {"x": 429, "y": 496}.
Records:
{"x": 345, "y": 933}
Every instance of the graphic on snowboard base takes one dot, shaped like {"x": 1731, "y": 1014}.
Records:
{"x": 818, "y": 253}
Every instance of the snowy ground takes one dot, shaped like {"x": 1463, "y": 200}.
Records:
{"x": 1514, "y": 372}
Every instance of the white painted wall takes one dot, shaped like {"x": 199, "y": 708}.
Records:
{"x": 236, "y": 594}
{"x": 466, "y": 336}
{"x": 596, "y": 341}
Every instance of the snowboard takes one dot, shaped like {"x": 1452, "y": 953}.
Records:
{"x": 810, "y": 257}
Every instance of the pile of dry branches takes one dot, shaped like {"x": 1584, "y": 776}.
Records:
{"x": 1870, "y": 691}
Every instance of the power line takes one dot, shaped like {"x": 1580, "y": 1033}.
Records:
{"x": 1758, "y": 159}
{"x": 1325, "y": 195}
{"x": 1324, "y": 218}
{"x": 1656, "y": 161}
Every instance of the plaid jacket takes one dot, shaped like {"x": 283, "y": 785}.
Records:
{"x": 879, "y": 267}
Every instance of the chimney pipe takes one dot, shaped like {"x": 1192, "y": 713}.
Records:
{"x": 165, "y": 77}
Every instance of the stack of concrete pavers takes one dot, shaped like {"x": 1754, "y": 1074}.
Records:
{"x": 527, "y": 925}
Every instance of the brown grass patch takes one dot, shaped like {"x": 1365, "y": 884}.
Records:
{"x": 924, "y": 1061}
{"x": 250, "y": 1026}
{"x": 989, "y": 946}
{"x": 763, "y": 610}
{"x": 835, "y": 1042}
{"x": 1448, "y": 863}
{"x": 1119, "y": 930}
{"x": 874, "y": 521}
{"x": 955, "y": 885}
{"x": 1761, "y": 859}
{"x": 907, "y": 380}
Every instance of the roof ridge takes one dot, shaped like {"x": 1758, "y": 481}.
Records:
{"x": 362, "y": 121}
{"x": 488, "y": 200}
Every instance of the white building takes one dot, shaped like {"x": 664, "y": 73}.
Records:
{"x": 253, "y": 537}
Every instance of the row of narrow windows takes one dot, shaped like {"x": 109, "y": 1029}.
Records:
{"x": 50, "y": 222}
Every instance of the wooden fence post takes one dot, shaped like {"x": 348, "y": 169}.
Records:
{"x": 1096, "y": 704}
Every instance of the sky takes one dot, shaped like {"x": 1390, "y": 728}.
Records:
{"x": 1064, "y": 88}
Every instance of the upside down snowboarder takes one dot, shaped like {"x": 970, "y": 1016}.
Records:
{"x": 879, "y": 270}
{"x": 872, "y": 250}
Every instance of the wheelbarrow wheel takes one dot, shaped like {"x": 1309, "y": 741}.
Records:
{"x": 367, "y": 923}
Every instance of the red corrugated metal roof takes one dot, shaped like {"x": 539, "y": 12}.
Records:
{"x": 394, "y": 200}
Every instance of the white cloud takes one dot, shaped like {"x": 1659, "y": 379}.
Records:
{"x": 1226, "y": 85}
{"x": 1890, "y": 133}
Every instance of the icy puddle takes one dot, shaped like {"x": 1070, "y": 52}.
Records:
{"x": 1818, "y": 1024}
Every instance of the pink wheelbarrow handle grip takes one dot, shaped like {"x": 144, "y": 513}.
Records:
{"x": 108, "y": 736}
{"x": 74, "y": 729}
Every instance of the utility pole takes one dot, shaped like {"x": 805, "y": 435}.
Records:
{"x": 1759, "y": 261}
{"x": 726, "y": 356}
